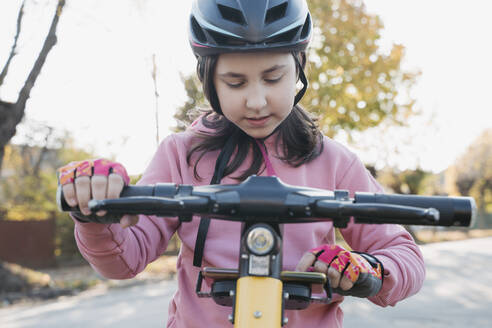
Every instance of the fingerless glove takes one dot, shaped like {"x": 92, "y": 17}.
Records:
{"x": 364, "y": 270}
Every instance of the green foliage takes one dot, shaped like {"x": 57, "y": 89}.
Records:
{"x": 134, "y": 178}
{"x": 472, "y": 173}
{"x": 353, "y": 84}
{"x": 27, "y": 193}
{"x": 433, "y": 184}
{"x": 190, "y": 109}
{"x": 405, "y": 182}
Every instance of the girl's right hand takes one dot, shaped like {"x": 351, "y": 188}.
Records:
{"x": 349, "y": 273}
{"x": 94, "y": 179}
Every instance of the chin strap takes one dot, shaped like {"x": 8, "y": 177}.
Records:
{"x": 304, "y": 81}
{"x": 220, "y": 165}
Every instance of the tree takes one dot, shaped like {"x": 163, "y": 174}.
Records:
{"x": 29, "y": 183}
{"x": 472, "y": 174}
{"x": 11, "y": 114}
{"x": 353, "y": 84}
{"x": 403, "y": 182}
{"x": 196, "y": 99}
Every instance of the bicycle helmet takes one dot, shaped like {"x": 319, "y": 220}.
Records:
{"x": 219, "y": 26}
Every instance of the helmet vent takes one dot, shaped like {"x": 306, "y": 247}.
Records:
{"x": 284, "y": 37}
{"x": 197, "y": 31}
{"x": 306, "y": 27}
{"x": 231, "y": 14}
{"x": 223, "y": 40}
{"x": 275, "y": 13}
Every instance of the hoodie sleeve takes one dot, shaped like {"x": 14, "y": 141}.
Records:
{"x": 118, "y": 253}
{"x": 404, "y": 269}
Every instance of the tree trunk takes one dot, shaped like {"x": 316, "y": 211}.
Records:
{"x": 49, "y": 42}
{"x": 11, "y": 114}
{"x": 13, "y": 52}
{"x": 7, "y": 128}
{"x": 2, "y": 153}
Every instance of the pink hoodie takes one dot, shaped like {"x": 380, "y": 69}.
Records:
{"x": 122, "y": 253}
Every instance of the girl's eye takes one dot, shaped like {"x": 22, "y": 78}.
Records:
{"x": 273, "y": 80}
{"x": 235, "y": 85}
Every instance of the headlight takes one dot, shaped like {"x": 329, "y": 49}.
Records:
{"x": 260, "y": 241}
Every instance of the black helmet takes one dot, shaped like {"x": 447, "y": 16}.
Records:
{"x": 218, "y": 26}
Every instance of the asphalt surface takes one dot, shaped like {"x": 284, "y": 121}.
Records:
{"x": 457, "y": 293}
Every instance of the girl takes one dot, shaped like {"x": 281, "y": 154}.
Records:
{"x": 250, "y": 56}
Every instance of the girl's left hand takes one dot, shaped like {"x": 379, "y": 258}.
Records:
{"x": 349, "y": 273}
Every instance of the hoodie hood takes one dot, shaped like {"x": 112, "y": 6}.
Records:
{"x": 198, "y": 127}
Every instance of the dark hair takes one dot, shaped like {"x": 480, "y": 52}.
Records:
{"x": 298, "y": 135}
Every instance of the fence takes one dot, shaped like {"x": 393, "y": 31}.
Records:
{"x": 28, "y": 243}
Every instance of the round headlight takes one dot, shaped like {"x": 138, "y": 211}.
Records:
{"x": 260, "y": 241}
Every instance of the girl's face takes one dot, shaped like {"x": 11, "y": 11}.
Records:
{"x": 256, "y": 91}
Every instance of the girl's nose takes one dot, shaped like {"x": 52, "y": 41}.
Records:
{"x": 256, "y": 98}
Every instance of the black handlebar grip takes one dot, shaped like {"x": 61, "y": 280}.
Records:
{"x": 108, "y": 218}
{"x": 160, "y": 189}
{"x": 128, "y": 191}
{"x": 454, "y": 211}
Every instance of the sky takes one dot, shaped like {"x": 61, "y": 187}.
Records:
{"x": 97, "y": 81}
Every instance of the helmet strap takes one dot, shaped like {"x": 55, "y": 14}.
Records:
{"x": 304, "y": 81}
{"x": 220, "y": 166}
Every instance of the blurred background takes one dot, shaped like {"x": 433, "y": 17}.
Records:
{"x": 405, "y": 85}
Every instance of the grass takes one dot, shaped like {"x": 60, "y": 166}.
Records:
{"x": 32, "y": 277}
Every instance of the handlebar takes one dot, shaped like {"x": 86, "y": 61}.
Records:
{"x": 270, "y": 200}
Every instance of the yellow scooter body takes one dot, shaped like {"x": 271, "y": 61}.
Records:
{"x": 258, "y": 302}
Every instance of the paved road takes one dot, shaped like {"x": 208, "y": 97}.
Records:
{"x": 457, "y": 293}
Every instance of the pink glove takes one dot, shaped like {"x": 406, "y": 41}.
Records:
{"x": 68, "y": 173}
{"x": 364, "y": 270}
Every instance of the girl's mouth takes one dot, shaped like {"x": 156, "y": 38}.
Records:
{"x": 258, "y": 121}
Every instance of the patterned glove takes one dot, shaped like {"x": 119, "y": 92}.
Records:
{"x": 68, "y": 173}
{"x": 364, "y": 270}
